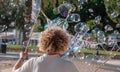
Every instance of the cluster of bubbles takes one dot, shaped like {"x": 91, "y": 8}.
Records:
{"x": 84, "y": 35}
{"x": 83, "y": 38}
{"x": 35, "y": 10}
{"x": 64, "y": 10}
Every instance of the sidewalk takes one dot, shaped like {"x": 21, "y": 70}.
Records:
{"x": 15, "y": 55}
{"x": 8, "y": 61}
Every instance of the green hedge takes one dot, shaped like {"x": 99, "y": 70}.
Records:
{"x": 81, "y": 50}
{"x": 100, "y": 51}
{"x": 20, "y": 46}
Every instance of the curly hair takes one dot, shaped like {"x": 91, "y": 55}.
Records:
{"x": 53, "y": 40}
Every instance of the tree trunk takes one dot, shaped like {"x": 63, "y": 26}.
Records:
{"x": 28, "y": 24}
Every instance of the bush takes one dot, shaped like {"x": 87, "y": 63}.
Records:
{"x": 18, "y": 47}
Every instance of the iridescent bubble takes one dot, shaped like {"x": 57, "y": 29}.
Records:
{"x": 24, "y": 43}
{"x": 108, "y": 27}
{"x": 87, "y": 35}
{"x": 80, "y": 6}
{"x": 74, "y": 18}
{"x": 118, "y": 3}
{"x": 65, "y": 2}
{"x": 77, "y": 27}
{"x": 27, "y": 34}
{"x": 98, "y": 18}
{"x": 97, "y": 22}
{"x": 90, "y": 10}
{"x": 36, "y": 5}
{"x": 33, "y": 17}
{"x": 64, "y": 25}
{"x": 27, "y": 26}
{"x": 80, "y": 2}
{"x": 64, "y": 9}
{"x": 0, "y": 28}
{"x": 12, "y": 4}
{"x": 35, "y": 10}
{"x": 2, "y": 16}
{"x": 117, "y": 25}
{"x": 9, "y": 12}
{"x": 114, "y": 14}
{"x": 85, "y": 28}
{"x": 116, "y": 32}
{"x": 56, "y": 11}
{"x": 60, "y": 22}
{"x": 85, "y": 0}
{"x": 101, "y": 39}
{"x": 95, "y": 30}
{"x": 12, "y": 24}
{"x": 50, "y": 22}
{"x": 57, "y": 21}
{"x": 100, "y": 34}
{"x": 72, "y": 8}
{"x": 38, "y": 22}
{"x": 4, "y": 26}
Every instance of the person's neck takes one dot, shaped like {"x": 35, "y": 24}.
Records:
{"x": 53, "y": 54}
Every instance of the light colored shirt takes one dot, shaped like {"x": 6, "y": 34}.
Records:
{"x": 47, "y": 63}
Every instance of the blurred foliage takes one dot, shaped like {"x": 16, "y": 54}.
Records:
{"x": 11, "y": 11}
{"x": 113, "y": 9}
{"x": 98, "y": 7}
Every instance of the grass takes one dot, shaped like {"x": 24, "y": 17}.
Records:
{"x": 100, "y": 51}
{"x": 20, "y": 46}
{"x": 81, "y": 50}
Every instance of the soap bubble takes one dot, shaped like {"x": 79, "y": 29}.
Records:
{"x": 98, "y": 18}
{"x": 95, "y": 30}
{"x": 60, "y": 22}
{"x": 74, "y": 18}
{"x": 12, "y": 24}
{"x": 65, "y": 8}
{"x": 56, "y": 11}
{"x": 116, "y": 32}
{"x": 108, "y": 27}
{"x": 100, "y": 34}
{"x": 114, "y": 14}
{"x": 27, "y": 26}
{"x": 77, "y": 27}
{"x": 90, "y": 10}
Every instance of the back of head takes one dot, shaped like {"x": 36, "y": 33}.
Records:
{"x": 53, "y": 40}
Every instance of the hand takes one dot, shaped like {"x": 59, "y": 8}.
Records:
{"x": 24, "y": 55}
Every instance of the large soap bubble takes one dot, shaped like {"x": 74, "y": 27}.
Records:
{"x": 77, "y": 27}
{"x": 108, "y": 27}
{"x": 65, "y": 8}
{"x": 60, "y": 22}
{"x": 74, "y": 18}
{"x": 95, "y": 30}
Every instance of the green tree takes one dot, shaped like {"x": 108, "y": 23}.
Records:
{"x": 113, "y": 11}
{"x": 11, "y": 12}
